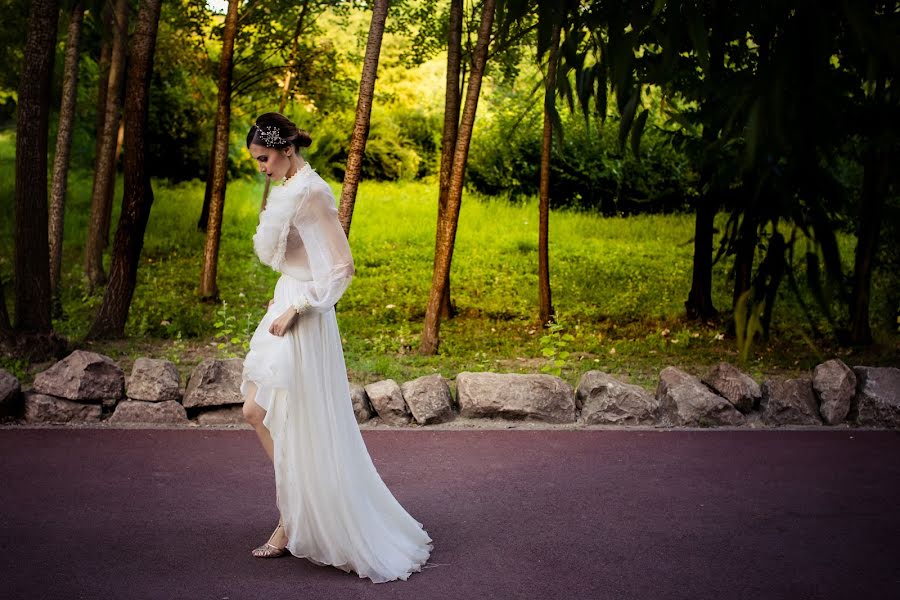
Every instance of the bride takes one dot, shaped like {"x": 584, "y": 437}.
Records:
{"x": 334, "y": 507}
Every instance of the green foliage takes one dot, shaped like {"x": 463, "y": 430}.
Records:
{"x": 555, "y": 348}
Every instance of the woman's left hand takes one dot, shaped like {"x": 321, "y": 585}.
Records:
{"x": 283, "y": 323}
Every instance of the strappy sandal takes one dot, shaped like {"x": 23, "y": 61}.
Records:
{"x": 268, "y": 550}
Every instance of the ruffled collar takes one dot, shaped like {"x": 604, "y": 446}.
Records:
{"x": 298, "y": 175}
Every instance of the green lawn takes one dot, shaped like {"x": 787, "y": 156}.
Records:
{"x": 618, "y": 285}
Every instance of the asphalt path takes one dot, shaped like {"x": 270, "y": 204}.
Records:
{"x": 514, "y": 514}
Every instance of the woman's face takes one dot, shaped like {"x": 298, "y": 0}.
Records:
{"x": 274, "y": 162}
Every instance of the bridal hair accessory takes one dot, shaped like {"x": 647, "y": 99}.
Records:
{"x": 270, "y": 136}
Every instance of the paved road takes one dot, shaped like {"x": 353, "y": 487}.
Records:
{"x": 121, "y": 514}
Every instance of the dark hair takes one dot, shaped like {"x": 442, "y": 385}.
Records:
{"x": 288, "y": 134}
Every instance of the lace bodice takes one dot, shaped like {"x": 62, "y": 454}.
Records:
{"x": 299, "y": 235}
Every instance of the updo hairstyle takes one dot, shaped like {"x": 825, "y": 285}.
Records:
{"x": 274, "y": 130}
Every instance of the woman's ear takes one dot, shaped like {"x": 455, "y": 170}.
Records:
{"x": 287, "y": 151}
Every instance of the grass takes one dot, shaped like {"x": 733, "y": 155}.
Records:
{"x": 618, "y": 287}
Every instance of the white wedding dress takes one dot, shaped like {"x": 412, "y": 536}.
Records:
{"x": 335, "y": 507}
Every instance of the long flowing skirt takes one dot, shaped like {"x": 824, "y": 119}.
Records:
{"x": 334, "y": 505}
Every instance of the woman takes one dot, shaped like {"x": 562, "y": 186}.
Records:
{"x": 334, "y": 507}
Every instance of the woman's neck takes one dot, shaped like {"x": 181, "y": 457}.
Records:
{"x": 297, "y": 163}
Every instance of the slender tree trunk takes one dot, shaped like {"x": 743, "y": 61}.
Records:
{"x": 452, "y": 96}
{"x": 203, "y": 221}
{"x": 699, "y": 304}
{"x": 743, "y": 258}
{"x": 107, "y": 28}
{"x": 208, "y": 288}
{"x": 6, "y": 333}
{"x": 105, "y": 171}
{"x": 64, "y": 143}
{"x": 431, "y": 331}
{"x": 363, "y": 114}
{"x": 138, "y": 195}
{"x": 286, "y": 88}
{"x": 32, "y": 256}
{"x": 546, "y": 305}
{"x": 874, "y": 189}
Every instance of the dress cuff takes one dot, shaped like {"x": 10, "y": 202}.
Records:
{"x": 301, "y": 306}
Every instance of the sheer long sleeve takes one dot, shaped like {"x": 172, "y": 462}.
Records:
{"x": 330, "y": 260}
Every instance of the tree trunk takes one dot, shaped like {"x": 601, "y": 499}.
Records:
{"x": 874, "y": 190}
{"x": 6, "y": 333}
{"x": 363, "y": 114}
{"x": 64, "y": 143}
{"x": 107, "y": 28}
{"x": 447, "y": 236}
{"x": 546, "y": 305}
{"x": 743, "y": 258}
{"x": 448, "y": 137}
{"x": 286, "y": 88}
{"x": 32, "y": 256}
{"x": 203, "y": 221}
{"x": 138, "y": 195}
{"x": 699, "y": 304}
{"x": 208, "y": 288}
{"x": 105, "y": 171}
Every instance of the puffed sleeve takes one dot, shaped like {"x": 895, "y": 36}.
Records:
{"x": 330, "y": 261}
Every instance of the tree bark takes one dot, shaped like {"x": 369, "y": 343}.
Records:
{"x": 444, "y": 252}
{"x": 107, "y": 28}
{"x": 64, "y": 143}
{"x": 138, "y": 195}
{"x": 32, "y": 257}
{"x": 452, "y": 96}
{"x": 546, "y": 305}
{"x": 743, "y": 258}
{"x": 105, "y": 171}
{"x": 699, "y": 303}
{"x": 6, "y": 333}
{"x": 203, "y": 221}
{"x": 208, "y": 288}
{"x": 286, "y": 88}
{"x": 363, "y": 114}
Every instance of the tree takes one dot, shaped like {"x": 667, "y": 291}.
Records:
{"x": 363, "y": 114}
{"x": 544, "y": 293}
{"x": 447, "y": 231}
{"x": 138, "y": 195}
{"x": 32, "y": 264}
{"x": 208, "y": 288}
{"x": 105, "y": 165}
{"x": 64, "y": 142}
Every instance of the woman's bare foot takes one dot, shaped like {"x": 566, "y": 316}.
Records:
{"x": 275, "y": 547}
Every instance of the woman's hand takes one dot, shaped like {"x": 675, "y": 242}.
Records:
{"x": 283, "y": 322}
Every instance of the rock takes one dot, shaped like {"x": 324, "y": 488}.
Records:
{"x": 41, "y": 408}
{"x": 513, "y": 396}
{"x": 603, "y": 399}
{"x": 877, "y": 401}
{"x": 734, "y": 385}
{"x": 387, "y": 400}
{"x": 429, "y": 399}
{"x": 10, "y": 394}
{"x": 139, "y": 411}
{"x": 215, "y": 382}
{"x": 361, "y": 407}
{"x": 228, "y": 415}
{"x": 835, "y": 385}
{"x": 789, "y": 402}
{"x": 684, "y": 400}
{"x": 83, "y": 377}
{"x": 154, "y": 380}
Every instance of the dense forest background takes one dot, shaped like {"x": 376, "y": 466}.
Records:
{"x": 772, "y": 127}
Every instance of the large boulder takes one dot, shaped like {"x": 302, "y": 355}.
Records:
{"x": 215, "y": 382}
{"x": 387, "y": 400}
{"x": 361, "y": 407}
{"x": 877, "y": 401}
{"x": 684, "y": 400}
{"x": 835, "y": 385}
{"x": 603, "y": 399}
{"x": 734, "y": 385}
{"x": 513, "y": 396}
{"x": 10, "y": 394}
{"x": 789, "y": 402}
{"x": 139, "y": 411}
{"x": 224, "y": 415}
{"x": 429, "y": 399}
{"x": 154, "y": 380}
{"x": 84, "y": 377}
{"x": 41, "y": 408}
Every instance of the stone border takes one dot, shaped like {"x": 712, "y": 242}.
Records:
{"x": 89, "y": 389}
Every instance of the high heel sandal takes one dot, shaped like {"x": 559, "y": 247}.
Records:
{"x": 268, "y": 550}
